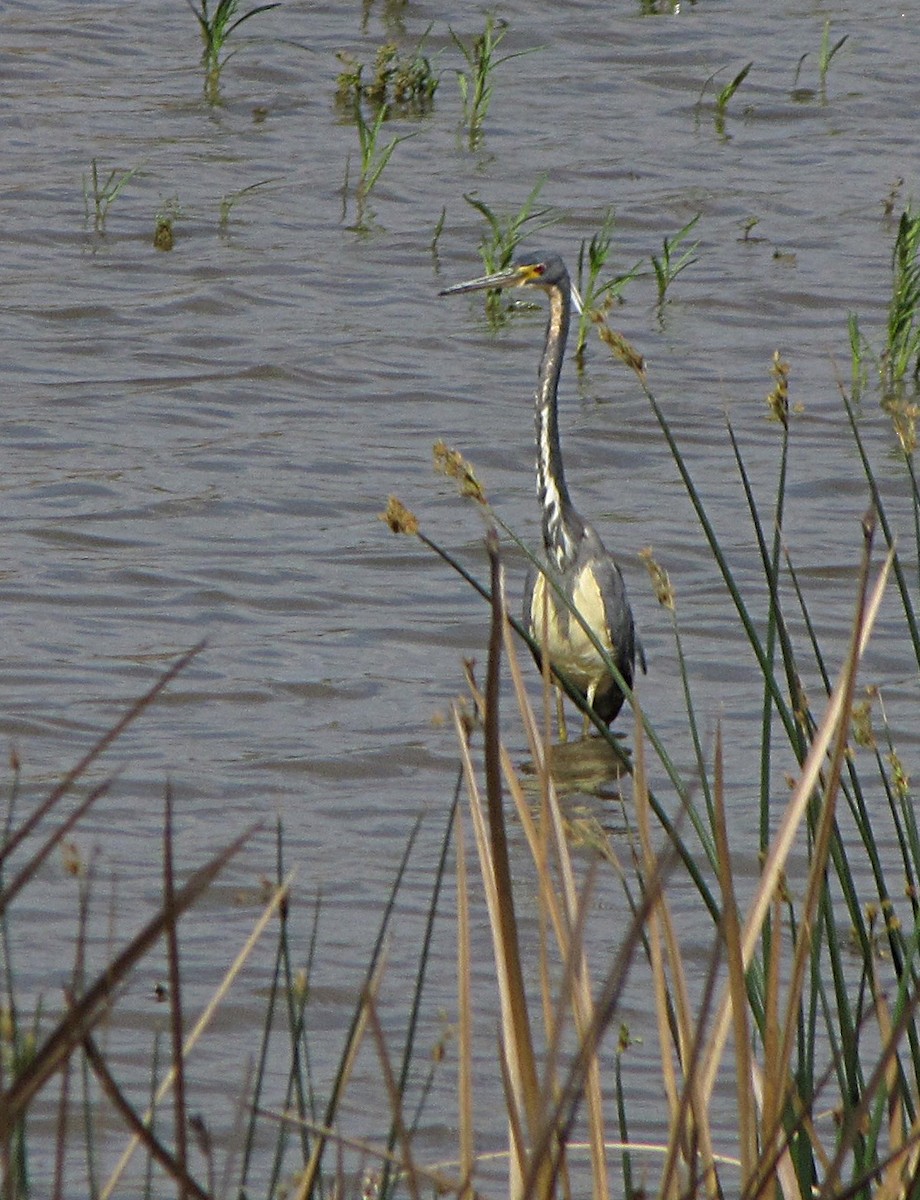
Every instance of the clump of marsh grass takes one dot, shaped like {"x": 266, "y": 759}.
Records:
{"x": 504, "y": 233}
{"x": 216, "y": 26}
{"x": 373, "y": 159}
{"x": 476, "y": 82}
{"x": 901, "y": 356}
{"x": 675, "y": 257}
{"x": 898, "y": 361}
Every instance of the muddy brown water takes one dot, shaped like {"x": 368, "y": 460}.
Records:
{"x": 197, "y": 444}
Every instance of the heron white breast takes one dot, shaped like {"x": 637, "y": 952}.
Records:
{"x": 569, "y": 647}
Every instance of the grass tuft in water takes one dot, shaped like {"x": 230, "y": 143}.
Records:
{"x": 724, "y": 96}
{"x": 670, "y": 263}
{"x": 374, "y": 157}
{"x": 504, "y": 233}
{"x": 476, "y": 82}
{"x": 901, "y": 356}
{"x": 216, "y": 25}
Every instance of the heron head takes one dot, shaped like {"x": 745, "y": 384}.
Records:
{"x": 545, "y": 271}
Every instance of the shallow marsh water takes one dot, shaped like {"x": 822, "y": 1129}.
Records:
{"x": 197, "y": 444}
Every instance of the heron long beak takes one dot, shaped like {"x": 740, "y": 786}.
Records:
{"x": 509, "y": 278}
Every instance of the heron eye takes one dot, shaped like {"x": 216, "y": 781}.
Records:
{"x": 539, "y": 269}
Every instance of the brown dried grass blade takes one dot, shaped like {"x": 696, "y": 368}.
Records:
{"x": 689, "y": 1121}
{"x": 464, "y": 1010}
{"x": 175, "y": 991}
{"x": 562, "y": 1116}
{"x": 518, "y": 1030}
{"x": 407, "y": 1163}
{"x": 308, "y": 1179}
{"x": 483, "y": 847}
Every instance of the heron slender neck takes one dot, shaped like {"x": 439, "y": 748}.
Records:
{"x": 562, "y": 526}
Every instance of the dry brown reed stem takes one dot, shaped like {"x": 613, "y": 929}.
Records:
{"x": 441, "y": 1183}
{"x": 892, "y": 1089}
{"x": 782, "y": 843}
{"x": 690, "y": 1133}
{"x": 563, "y": 907}
{"x": 561, "y": 1118}
{"x": 517, "y": 1164}
{"x": 268, "y": 913}
{"x": 464, "y": 1011}
{"x": 781, "y": 1033}
{"x": 408, "y": 1169}
{"x": 825, "y": 828}
{"x": 860, "y": 1112}
{"x": 175, "y": 997}
{"x": 508, "y": 946}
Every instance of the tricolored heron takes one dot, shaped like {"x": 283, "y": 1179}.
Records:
{"x": 577, "y": 560}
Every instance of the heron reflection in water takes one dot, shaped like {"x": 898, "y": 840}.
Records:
{"x": 576, "y": 559}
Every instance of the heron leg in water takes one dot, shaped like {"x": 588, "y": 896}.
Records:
{"x": 560, "y": 715}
